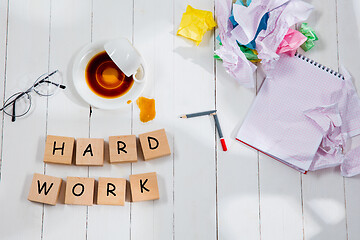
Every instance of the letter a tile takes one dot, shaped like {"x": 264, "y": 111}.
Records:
{"x": 90, "y": 151}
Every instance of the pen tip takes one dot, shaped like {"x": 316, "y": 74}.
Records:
{"x": 184, "y": 116}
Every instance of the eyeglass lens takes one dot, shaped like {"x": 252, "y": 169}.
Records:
{"x": 19, "y": 103}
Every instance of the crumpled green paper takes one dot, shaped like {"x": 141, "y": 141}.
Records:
{"x": 311, "y": 37}
{"x": 195, "y": 23}
{"x": 250, "y": 54}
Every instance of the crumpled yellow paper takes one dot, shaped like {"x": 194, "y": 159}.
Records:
{"x": 195, "y": 23}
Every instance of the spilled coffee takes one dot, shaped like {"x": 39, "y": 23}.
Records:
{"x": 105, "y": 79}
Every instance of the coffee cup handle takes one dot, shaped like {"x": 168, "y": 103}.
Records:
{"x": 139, "y": 76}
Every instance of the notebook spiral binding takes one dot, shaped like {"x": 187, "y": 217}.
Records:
{"x": 329, "y": 70}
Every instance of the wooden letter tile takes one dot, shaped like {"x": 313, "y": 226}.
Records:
{"x": 154, "y": 144}
{"x": 59, "y": 149}
{"x": 144, "y": 187}
{"x": 90, "y": 151}
{"x": 79, "y": 191}
{"x": 44, "y": 189}
{"x": 111, "y": 191}
{"x": 123, "y": 149}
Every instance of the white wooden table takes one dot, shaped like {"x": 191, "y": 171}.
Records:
{"x": 205, "y": 193}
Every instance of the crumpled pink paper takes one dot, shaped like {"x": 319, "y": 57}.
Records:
{"x": 234, "y": 60}
{"x": 291, "y": 42}
{"x": 339, "y": 122}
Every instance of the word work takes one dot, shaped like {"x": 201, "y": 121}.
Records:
{"x": 81, "y": 190}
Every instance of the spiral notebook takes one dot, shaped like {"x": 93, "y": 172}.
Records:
{"x": 276, "y": 123}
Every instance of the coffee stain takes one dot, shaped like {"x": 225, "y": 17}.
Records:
{"x": 105, "y": 79}
{"x": 147, "y": 109}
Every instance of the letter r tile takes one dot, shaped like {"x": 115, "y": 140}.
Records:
{"x": 122, "y": 149}
{"x": 111, "y": 191}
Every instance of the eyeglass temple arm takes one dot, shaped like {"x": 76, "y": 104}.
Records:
{"x": 56, "y": 84}
{"x": 13, "y": 112}
{"x": 47, "y": 81}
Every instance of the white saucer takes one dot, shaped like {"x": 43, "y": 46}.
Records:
{"x": 78, "y": 74}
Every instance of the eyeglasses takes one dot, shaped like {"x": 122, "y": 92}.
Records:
{"x": 19, "y": 104}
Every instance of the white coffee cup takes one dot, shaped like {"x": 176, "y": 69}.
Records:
{"x": 126, "y": 57}
{"x": 84, "y": 56}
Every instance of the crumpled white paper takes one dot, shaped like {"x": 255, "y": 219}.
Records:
{"x": 338, "y": 122}
{"x": 234, "y": 60}
{"x": 249, "y": 18}
{"x": 330, "y": 152}
{"x": 282, "y": 15}
{"x": 280, "y": 20}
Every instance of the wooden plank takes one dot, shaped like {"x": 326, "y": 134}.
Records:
{"x": 237, "y": 169}
{"x": 153, "y": 37}
{"x": 194, "y": 158}
{"x": 323, "y": 191}
{"x": 67, "y": 115}
{"x": 280, "y": 200}
{"x": 3, "y": 48}
{"x": 111, "y": 19}
{"x": 27, "y": 58}
{"x": 349, "y": 49}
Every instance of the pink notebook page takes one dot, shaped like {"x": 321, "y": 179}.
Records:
{"x": 276, "y": 124}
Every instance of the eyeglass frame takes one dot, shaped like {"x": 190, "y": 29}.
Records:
{"x": 13, "y": 116}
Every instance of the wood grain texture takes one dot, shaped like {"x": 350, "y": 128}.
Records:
{"x": 237, "y": 169}
{"x": 3, "y": 54}
{"x": 28, "y": 47}
{"x": 111, "y": 19}
{"x": 348, "y": 47}
{"x": 323, "y": 190}
{"x": 205, "y": 193}
{"x": 68, "y": 115}
{"x": 194, "y": 137}
{"x": 153, "y": 37}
